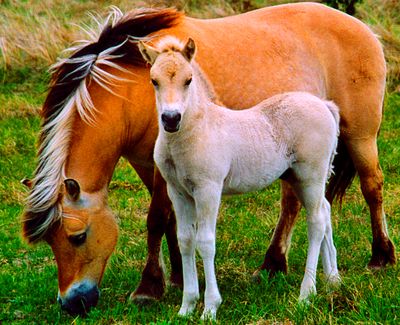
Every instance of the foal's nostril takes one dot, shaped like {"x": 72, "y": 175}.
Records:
{"x": 171, "y": 117}
{"x": 170, "y": 120}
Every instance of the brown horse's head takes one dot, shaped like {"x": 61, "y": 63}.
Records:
{"x": 82, "y": 240}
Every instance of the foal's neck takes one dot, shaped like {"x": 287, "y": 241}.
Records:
{"x": 202, "y": 92}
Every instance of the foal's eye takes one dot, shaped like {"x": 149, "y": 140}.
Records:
{"x": 78, "y": 240}
{"x": 187, "y": 82}
{"x": 154, "y": 82}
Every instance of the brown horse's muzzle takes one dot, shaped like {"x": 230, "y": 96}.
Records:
{"x": 80, "y": 299}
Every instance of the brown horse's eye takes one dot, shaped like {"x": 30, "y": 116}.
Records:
{"x": 187, "y": 82}
{"x": 78, "y": 240}
{"x": 154, "y": 82}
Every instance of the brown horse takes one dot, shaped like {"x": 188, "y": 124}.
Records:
{"x": 101, "y": 106}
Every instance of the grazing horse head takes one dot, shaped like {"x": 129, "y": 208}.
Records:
{"x": 78, "y": 150}
{"x": 85, "y": 224}
{"x": 171, "y": 76}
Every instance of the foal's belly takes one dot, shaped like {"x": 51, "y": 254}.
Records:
{"x": 245, "y": 177}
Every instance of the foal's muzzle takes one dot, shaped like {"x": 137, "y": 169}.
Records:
{"x": 80, "y": 299}
{"x": 171, "y": 120}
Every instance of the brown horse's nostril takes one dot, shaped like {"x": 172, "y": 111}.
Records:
{"x": 80, "y": 300}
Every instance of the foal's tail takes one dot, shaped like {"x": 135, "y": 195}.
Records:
{"x": 335, "y": 113}
{"x": 342, "y": 167}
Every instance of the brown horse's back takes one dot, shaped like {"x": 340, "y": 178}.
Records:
{"x": 303, "y": 46}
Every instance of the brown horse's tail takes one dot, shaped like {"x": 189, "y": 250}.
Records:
{"x": 344, "y": 172}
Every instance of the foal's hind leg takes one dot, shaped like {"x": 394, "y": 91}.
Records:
{"x": 311, "y": 195}
{"x": 328, "y": 250}
{"x": 276, "y": 256}
{"x": 364, "y": 154}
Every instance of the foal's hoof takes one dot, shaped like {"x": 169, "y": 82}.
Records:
{"x": 383, "y": 253}
{"x": 333, "y": 282}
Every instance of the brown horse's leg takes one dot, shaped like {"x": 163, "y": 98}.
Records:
{"x": 152, "y": 284}
{"x": 176, "y": 278}
{"x": 364, "y": 154}
{"x": 276, "y": 256}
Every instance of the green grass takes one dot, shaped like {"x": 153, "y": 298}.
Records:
{"x": 28, "y": 278}
{"x": 28, "y": 275}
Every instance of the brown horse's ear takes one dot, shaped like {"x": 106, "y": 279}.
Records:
{"x": 27, "y": 182}
{"x": 73, "y": 189}
{"x": 189, "y": 50}
{"x": 149, "y": 54}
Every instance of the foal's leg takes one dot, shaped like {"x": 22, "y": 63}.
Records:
{"x": 364, "y": 153}
{"x": 207, "y": 204}
{"x": 276, "y": 256}
{"x": 328, "y": 250}
{"x": 186, "y": 221}
{"x": 311, "y": 193}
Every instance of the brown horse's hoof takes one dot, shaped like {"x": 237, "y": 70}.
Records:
{"x": 383, "y": 253}
{"x": 141, "y": 299}
{"x": 147, "y": 293}
{"x": 256, "y": 276}
{"x": 274, "y": 262}
{"x": 176, "y": 280}
{"x": 151, "y": 286}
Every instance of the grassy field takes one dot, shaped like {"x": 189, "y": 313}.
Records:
{"x": 32, "y": 34}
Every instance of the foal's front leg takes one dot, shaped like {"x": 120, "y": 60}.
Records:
{"x": 186, "y": 225}
{"x": 207, "y": 201}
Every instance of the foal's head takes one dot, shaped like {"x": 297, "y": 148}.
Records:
{"x": 171, "y": 74}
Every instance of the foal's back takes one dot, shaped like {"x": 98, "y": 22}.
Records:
{"x": 270, "y": 138}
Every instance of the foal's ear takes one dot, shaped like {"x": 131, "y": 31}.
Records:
{"x": 72, "y": 188}
{"x": 189, "y": 50}
{"x": 149, "y": 54}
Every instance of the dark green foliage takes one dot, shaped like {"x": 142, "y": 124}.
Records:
{"x": 348, "y": 6}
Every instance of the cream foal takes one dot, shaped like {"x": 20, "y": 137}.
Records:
{"x": 204, "y": 150}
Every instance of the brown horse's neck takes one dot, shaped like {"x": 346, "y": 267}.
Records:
{"x": 92, "y": 156}
{"x": 95, "y": 149}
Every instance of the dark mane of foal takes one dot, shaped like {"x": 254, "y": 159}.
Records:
{"x": 68, "y": 76}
